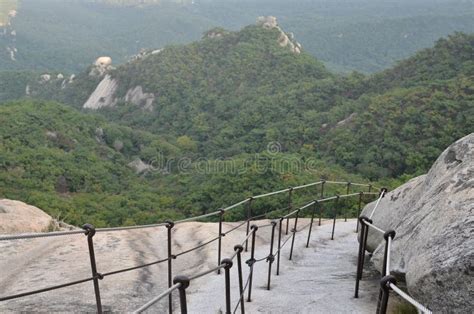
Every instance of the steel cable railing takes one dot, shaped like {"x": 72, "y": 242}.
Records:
{"x": 197, "y": 247}
{"x": 388, "y": 282}
{"x": 90, "y": 231}
{"x": 164, "y": 294}
{"x": 134, "y": 267}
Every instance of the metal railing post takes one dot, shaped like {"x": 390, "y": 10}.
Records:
{"x": 385, "y": 271}
{"x": 169, "y": 226}
{"x": 320, "y": 214}
{"x": 228, "y": 265}
{"x": 347, "y": 193}
{"x": 294, "y": 234}
{"x": 315, "y": 205}
{"x": 370, "y": 188}
{"x": 387, "y": 234}
{"x": 361, "y": 255}
{"x": 364, "y": 245}
{"x": 251, "y": 261}
{"x": 385, "y": 293}
{"x": 90, "y": 232}
{"x": 271, "y": 258}
{"x": 358, "y": 210}
{"x": 335, "y": 215}
{"x": 321, "y": 207}
{"x": 239, "y": 248}
{"x": 184, "y": 284}
{"x": 290, "y": 206}
{"x": 249, "y": 216}
{"x": 219, "y": 240}
{"x": 279, "y": 245}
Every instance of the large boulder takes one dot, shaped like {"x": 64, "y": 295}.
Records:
{"x": 18, "y": 217}
{"x": 434, "y": 221}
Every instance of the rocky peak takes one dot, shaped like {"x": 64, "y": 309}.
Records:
{"x": 284, "y": 40}
{"x": 101, "y": 66}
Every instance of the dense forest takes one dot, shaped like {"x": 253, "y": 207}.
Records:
{"x": 234, "y": 115}
{"x": 362, "y": 35}
{"x": 375, "y": 125}
{"x": 78, "y": 168}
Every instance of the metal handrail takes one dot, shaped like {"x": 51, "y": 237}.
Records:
{"x": 89, "y": 231}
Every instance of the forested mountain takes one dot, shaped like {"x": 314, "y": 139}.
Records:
{"x": 80, "y": 168}
{"x": 362, "y": 35}
{"x": 75, "y": 166}
{"x": 237, "y": 92}
{"x": 225, "y": 117}
{"x": 407, "y": 115}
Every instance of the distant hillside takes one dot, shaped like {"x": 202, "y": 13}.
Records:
{"x": 362, "y": 35}
{"x": 76, "y": 166}
{"x": 80, "y": 168}
{"x": 410, "y": 113}
{"x": 236, "y": 92}
{"x": 239, "y": 92}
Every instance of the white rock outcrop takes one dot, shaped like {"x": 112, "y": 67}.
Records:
{"x": 137, "y": 97}
{"x": 284, "y": 40}
{"x": 139, "y": 166}
{"x": 45, "y": 78}
{"x": 101, "y": 66}
{"x": 433, "y": 216}
{"x": 103, "y": 95}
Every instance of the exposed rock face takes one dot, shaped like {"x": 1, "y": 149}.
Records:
{"x": 18, "y": 217}
{"x": 137, "y": 97}
{"x": 347, "y": 120}
{"x": 433, "y": 216}
{"x": 270, "y": 22}
{"x": 103, "y": 95}
{"x": 139, "y": 166}
{"x": 267, "y": 22}
{"x": 101, "y": 66}
{"x": 45, "y": 78}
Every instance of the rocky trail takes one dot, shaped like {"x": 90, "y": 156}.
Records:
{"x": 318, "y": 279}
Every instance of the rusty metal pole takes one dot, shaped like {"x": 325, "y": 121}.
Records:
{"x": 228, "y": 265}
{"x": 184, "y": 283}
{"x": 249, "y": 217}
{"x": 385, "y": 293}
{"x": 358, "y": 210}
{"x": 271, "y": 258}
{"x": 169, "y": 226}
{"x": 311, "y": 223}
{"x": 335, "y": 215}
{"x": 239, "y": 248}
{"x": 290, "y": 206}
{"x": 347, "y": 193}
{"x": 279, "y": 245}
{"x": 90, "y": 232}
{"x": 251, "y": 261}
{"x": 294, "y": 234}
{"x": 321, "y": 207}
{"x": 219, "y": 240}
